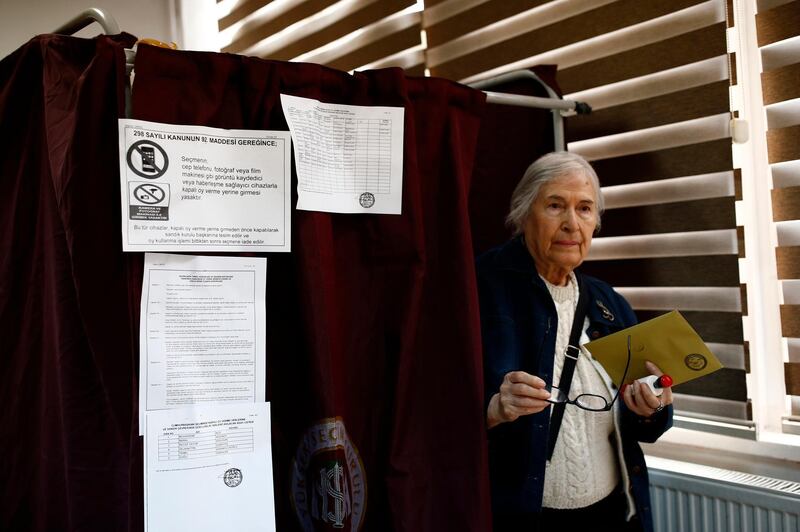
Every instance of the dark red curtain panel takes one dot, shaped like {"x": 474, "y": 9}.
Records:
{"x": 511, "y": 138}
{"x": 372, "y": 319}
{"x": 373, "y": 337}
{"x": 67, "y": 348}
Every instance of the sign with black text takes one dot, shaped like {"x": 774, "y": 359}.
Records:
{"x": 194, "y": 188}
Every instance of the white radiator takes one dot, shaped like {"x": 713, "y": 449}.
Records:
{"x": 695, "y": 498}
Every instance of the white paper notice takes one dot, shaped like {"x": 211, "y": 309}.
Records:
{"x": 349, "y": 158}
{"x": 202, "y": 331}
{"x": 209, "y": 469}
{"x": 193, "y": 188}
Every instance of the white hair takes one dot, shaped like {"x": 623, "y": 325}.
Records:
{"x": 543, "y": 170}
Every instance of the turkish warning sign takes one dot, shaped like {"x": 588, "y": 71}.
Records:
{"x": 193, "y": 188}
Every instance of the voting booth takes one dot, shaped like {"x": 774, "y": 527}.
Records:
{"x": 371, "y": 328}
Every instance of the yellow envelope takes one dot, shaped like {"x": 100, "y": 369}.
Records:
{"x": 668, "y": 341}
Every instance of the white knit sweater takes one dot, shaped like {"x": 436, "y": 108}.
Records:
{"x": 584, "y": 467}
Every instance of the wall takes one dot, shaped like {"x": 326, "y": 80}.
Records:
{"x": 22, "y": 19}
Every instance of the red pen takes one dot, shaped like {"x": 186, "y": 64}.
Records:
{"x": 655, "y": 383}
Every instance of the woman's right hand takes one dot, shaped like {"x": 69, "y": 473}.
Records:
{"x": 520, "y": 394}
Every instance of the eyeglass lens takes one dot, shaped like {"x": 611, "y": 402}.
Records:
{"x": 586, "y": 401}
{"x": 589, "y": 401}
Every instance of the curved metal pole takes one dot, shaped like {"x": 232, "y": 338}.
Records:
{"x": 93, "y": 14}
{"x": 529, "y": 101}
{"x": 555, "y": 103}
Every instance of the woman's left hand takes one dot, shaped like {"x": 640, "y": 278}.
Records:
{"x": 641, "y": 401}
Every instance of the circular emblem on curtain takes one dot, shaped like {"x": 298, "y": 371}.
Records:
{"x": 367, "y": 200}
{"x": 329, "y": 488}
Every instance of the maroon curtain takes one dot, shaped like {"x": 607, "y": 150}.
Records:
{"x": 67, "y": 350}
{"x": 511, "y": 138}
{"x": 372, "y": 324}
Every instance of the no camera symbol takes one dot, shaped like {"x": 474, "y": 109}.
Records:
{"x": 149, "y": 194}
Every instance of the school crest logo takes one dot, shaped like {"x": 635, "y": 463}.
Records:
{"x": 329, "y": 488}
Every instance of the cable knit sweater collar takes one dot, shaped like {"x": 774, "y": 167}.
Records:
{"x": 562, "y": 294}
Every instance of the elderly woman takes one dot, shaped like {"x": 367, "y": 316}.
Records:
{"x": 586, "y": 467}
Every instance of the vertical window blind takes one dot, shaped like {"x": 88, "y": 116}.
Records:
{"x": 778, "y": 30}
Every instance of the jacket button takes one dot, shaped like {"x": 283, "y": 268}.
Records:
{"x": 635, "y": 470}
{"x": 595, "y": 334}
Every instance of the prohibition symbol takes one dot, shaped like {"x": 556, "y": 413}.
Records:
{"x": 149, "y": 194}
{"x": 147, "y": 159}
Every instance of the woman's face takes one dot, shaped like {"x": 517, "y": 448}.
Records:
{"x": 562, "y": 219}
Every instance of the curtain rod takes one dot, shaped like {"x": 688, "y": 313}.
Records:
{"x": 555, "y": 103}
{"x": 558, "y": 106}
{"x": 504, "y": 98}
{"x": 93, "y": 14}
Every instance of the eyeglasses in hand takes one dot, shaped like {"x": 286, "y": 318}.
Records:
{"x": 589, "y": 401}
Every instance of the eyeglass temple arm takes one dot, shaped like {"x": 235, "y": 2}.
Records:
{"x": 624, "y": 373}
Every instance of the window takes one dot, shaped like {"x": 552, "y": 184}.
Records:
{"x": 694, "y": 221}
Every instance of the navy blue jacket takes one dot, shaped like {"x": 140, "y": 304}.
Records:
{"x": 518, "y": 327}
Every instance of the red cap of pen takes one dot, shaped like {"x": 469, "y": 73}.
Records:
{"x": 664, "y": 381}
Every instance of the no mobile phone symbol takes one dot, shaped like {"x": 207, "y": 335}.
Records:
{"x": 147, "y": 159}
